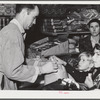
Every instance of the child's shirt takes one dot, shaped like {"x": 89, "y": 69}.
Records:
{"x": 76, "y": 74}
{"x": 96, "y": 78}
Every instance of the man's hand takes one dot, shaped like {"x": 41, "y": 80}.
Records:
{"x": 62, "y": 72}
{"x": 89, "y": 81}
{"x": 57, "y": 60}
{"x": 48, "y": 67}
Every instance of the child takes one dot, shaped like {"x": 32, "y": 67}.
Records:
{"x": 85, "y": 62}
{"x": 84, "y": 65}
{"x": 93, "y": 80}
{"x": 76, "y": 77}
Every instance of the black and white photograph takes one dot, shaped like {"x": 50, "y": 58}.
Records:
{"x": 50, "y": 47}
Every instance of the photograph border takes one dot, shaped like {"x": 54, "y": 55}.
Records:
{"x": 56, "y": 95}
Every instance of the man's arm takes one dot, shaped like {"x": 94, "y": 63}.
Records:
{"x": 13, "y": 67}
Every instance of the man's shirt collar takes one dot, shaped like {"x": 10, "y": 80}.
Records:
{"x": 18, "y": 24}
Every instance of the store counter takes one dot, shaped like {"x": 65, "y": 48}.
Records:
{"x": 55, "y": 85}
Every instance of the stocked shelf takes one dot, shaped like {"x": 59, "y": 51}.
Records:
{"x": 67, "y": 33}
{"x": 7, "y": 12}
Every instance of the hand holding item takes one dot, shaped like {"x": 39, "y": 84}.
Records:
{"x": 89, "y": 81}
{"x": 48, "y": 67}
{"x": 45, "y": 66}
{"x": 61, "y": 72}
{"x": 57, "y": 60}
{"x": 52, "y": 65}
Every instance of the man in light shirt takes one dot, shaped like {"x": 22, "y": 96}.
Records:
{"x": 12, "y": 50}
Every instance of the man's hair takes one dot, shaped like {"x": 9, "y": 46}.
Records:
{"x": 93, "y": 20}
{"x": 19, "y": 7}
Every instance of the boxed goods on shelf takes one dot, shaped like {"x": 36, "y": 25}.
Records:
{"x": 55, "y": 47}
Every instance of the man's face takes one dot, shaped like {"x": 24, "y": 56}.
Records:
{"x": 84, "y": 63}
{"x": 94, "y": 28}
{"x": 96, "y": 58}
{"x": 31, "y": 18}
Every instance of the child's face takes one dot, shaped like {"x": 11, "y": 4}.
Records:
{"x": 96, "y": 58}
{"x": 84, "y": 63}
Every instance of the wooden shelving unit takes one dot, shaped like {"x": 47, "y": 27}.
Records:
{"x": 7, "y": 12}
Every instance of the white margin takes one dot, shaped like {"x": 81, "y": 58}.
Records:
{"x": 31, "y": 94}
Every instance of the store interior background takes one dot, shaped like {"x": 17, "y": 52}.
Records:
{"x": 47, "y": 11}
{"x": 64, "y": 20}
{"x": 60, "y": 12}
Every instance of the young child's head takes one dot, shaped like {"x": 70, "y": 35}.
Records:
{"x": 85, "y": 61}
{"x": 96, "y": 56}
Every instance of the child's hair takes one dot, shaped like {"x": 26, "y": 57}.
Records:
{"x": 87, "y": 54}
{"x": 97, "y": 46}
{"x": 89, "y": 58}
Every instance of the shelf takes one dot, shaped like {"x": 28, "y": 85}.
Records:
{"x": 86, "y": 32}
{"x": 66, "y": 33}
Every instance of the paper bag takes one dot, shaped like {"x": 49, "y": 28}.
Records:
{"x": 52, "y": 77}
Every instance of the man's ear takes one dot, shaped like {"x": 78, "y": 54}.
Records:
{"x": 28, "y": 11}
{"x": 24, "y": 12}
